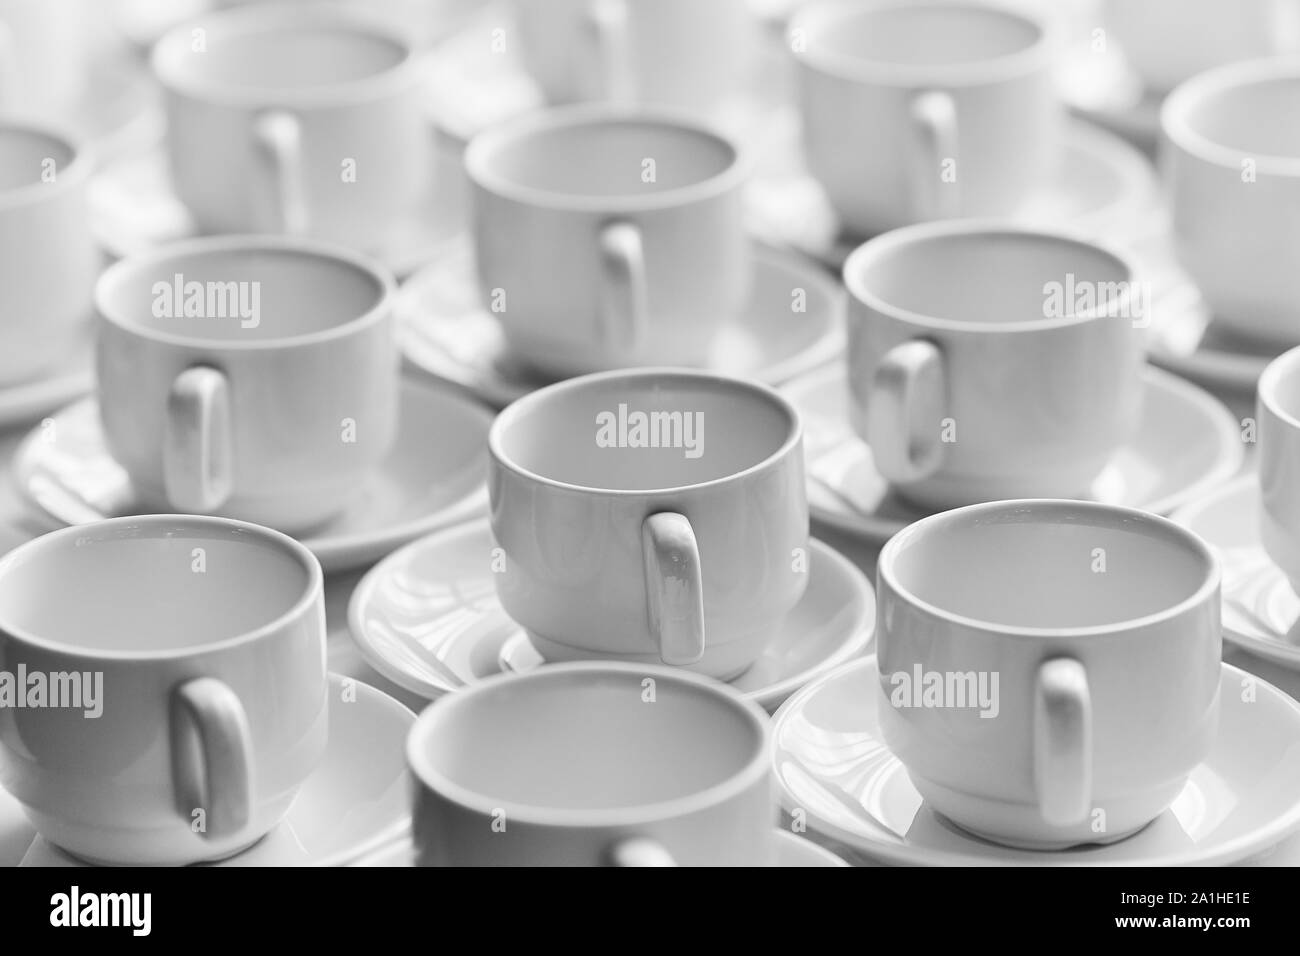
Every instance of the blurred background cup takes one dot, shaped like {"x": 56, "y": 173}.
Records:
{"x": 592, "y": 765}
{"x": 680, "y": 54}
{"x": 992, "y": 361}
{"x": 925, "y": 109}
{"x": 1168, "y": 41}
{"x": 44, "y": 53}
{"x": 299, "y": 118}
{"x": 1231, "y": 156}
{"x": 1278, "y": 415}
{"x": 251, "y": 377}
{"x": 48, "y": 259}
{"x": 650, "y": 516}
{"x": 202, "y": 644}
{"x": 1076, "y": 648}
{"x": 608, "y": 237}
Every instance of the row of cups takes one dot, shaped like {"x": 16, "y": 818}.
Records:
{"x": 1096, "y": 627}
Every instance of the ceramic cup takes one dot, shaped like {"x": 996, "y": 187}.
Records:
{"x": 607, "y": 238}
{"x": 1049, "y": 669}
{"x": 200, "y": 642}
{"x": 1278, "y": 417}
{"x": 925, "y": 109}
{"x": 650, "y": 516}
{"x": 992, "y": 361}
{"x": 251, "y": 377}
{"x": 675, "y": 53}
{"x": 592, "y": 764}
{"x": 43, "y": 53}
{"x": 1231, "y": 152}
{"x": 1169, "y": 41}
{"x": 48, "y": 259}
{"x": 295, "y": 118}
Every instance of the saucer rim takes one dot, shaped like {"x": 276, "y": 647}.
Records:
{"x": 498, "y": 392}
{"x": 900, "y": 853}
{"x": 868, "y": 528}
{"x": 769, "y": 698}
{"x": 1270, "y": 649}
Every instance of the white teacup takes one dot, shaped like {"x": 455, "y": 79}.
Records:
{"x": 592, "y": 765}
{"x": 1169, "y": 41}
{"x": 43, "y": 53}
{"x": 1231, "y": 151}
{"x": 607, "y": 238}
{"x": 201, "y": 644}
{"x": 1049, "y": 669}
{"x": 688, "y": 551}
{"x": 1278, "y": 416}
{"x": 297, "y": 118}
{"x": 48, "y": 258}
{"x": 992, "y": 361}
{"x": 675, "y": 53}
{"x": 274, "y": 402}
{"x": 925, "y": 109}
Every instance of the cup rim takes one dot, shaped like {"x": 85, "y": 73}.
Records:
{"x": 1035, "y": 56}
{"x": 1180, "y": 132}
{"x": 871, "y": 250}
{"x": 124, "y": 269}
{"x": 752, "y": 772}
{"x": 506, "y": 417}
{"x": 74, "y": 174}
{"x": 931, "y": 524}
{"x": 313, "y": 588}
{"x": 485, "y": 145}
{"x": 1270, "y": 381}
{"x": 262, "y": 18}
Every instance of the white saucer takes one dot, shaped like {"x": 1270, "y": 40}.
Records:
{"x": 356, "y": 800}
{"x": 791, "y": 851}
{"x": 435, "y": 476}
{"x": 1186, "y": 443}
{"x": 1188, "y": 340}
{"x": 1104, "y": 89}
{"x": 829, "y": 761}
{"x": 133, "y": 208}
{"x": 72, "y": 377}
{"x": 428, "y": 619}
{"x": 1104, "y": 187}
{"x": 447, "y": 333}
{"x": 1261, "y": 614}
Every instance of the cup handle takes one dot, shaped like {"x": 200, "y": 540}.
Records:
{"x": 624, "y": 308}
{"x": 211, "y": 756}
{"x": 1063, "y": 742}
{"x": 908, "y": 386}
{"x": 609, "y": 21}
{"x": 673, "y": 585}
{"x": 638, "y": 851}
{"x": 278, "y": 135}
{"x": 934, "y": 128}
{"x": 197, "y": 466}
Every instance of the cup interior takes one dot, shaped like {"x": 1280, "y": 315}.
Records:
{"x": 601, "y": 156}
{"x": 983, "y": 277}
{"x": 638, "y": 432}
{"x": 585, "y": 740}
{"x": 1048, "y": 565}
{"x": 150, "y": 585}
{"x": 1259, "y": 117}
{"x": 254, "y": 50}
{"x": 925, "y": 34}
{"x": 25, "y": 153}
{"x": 232, "y": 293}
